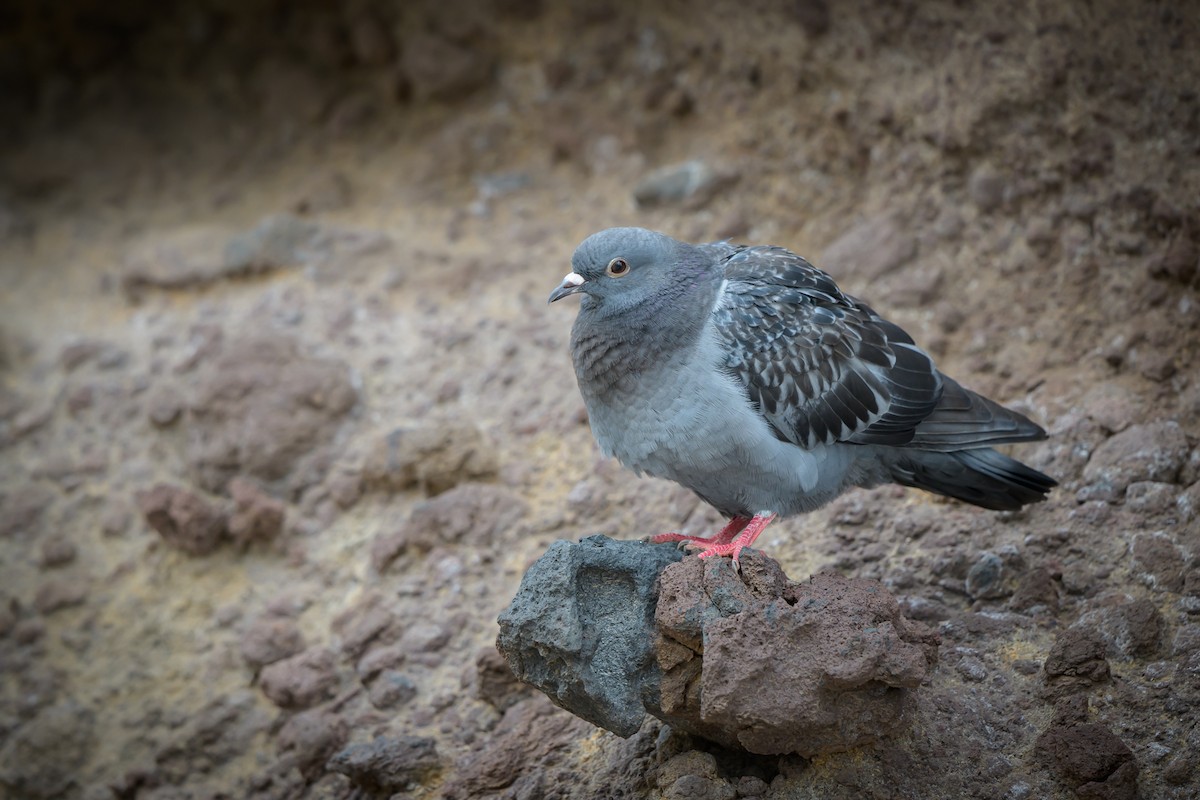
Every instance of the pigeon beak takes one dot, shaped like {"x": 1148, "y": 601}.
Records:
{"x": 570, "y": 285}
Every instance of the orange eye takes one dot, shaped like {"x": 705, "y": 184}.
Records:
{"x": 617, "y": 267}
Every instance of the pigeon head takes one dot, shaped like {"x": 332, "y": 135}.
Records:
{"x": 622, "y": 268}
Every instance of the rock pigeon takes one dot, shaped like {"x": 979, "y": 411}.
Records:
{"x": 744, "y": 374}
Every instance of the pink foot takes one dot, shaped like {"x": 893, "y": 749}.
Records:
{"x": 723, "y": 536}
{"x": 751, "y": 530}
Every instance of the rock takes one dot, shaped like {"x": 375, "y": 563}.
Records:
{"x": 260, "y": 409}
{"x": 22, "y": 507}
{"x": 390, "y": 690}
{"x": 43, "y": 757}
{"x": 434, "y": 68}
{"x": 1037, "y": 588}
{"x": 269, "y": 639}
{"x": 57, "y": 551}
{"x": 870, "y": 250}
{"x": 986, "y": 188}
{"x": 767, "y": 665}
{"x": 1149, "y": 452}
{"x": 813, "y": 16}
{"x": 693, "y": 774}
{"x": 1130, "y": 628}
{"x": 386, "y": 765}
{"x": 325, "y": 193}
{"x": 182, "y": 258}
{"x": 424, "y": 637}
{"x": 276, "y": 242}
{"x": 495, "y": 683}
{"x": 752, "y": 662}
{"x": 79, "y": 353}
{"x": 691, "y": 185}
{"x": 530, "y": 737}
{"x": 1090, "y": 759}
{"x": 310, "y": 738}
{"x": 434, "y": 456}
{"x": 301, "y": 681}
{"x": 378, "y": 659}
{"x": 184, "y": 519}
{"x": 985, "y": 578}
{"x": 1160, "y": 560}
{"x": 475, "y": 514}
{"x": 1076, "y": 661}
{"x": 257, "y": 517}
{"x": 222, "y": 730}
{"x": 59, "y": 593}
{"x": 363, "y": 623}
{"x": 1151, "y": 497}
{"x": 581, "y": 628}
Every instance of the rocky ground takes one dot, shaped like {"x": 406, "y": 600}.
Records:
{"x": 284, "y": 416}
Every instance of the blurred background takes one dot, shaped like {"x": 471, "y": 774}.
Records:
{"x": 284, "y": 415}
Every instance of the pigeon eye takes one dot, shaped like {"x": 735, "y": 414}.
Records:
{"x": 617, "y": 267}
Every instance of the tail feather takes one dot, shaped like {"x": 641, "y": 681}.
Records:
{"x": 979, "y": 476}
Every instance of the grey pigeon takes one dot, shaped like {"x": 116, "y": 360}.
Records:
{"x": 746, "y": 375}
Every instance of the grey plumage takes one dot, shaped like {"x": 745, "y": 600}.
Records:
{"x": 747, "y": 375}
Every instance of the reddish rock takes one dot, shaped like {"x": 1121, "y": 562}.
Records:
{"x": 390, "y": 690}
{"x": 261, "y": 409}
{"x": 1091, "y": 759}
{"x": 763, "y": 664}
{"x": 434, "y": 456}
{"x": 476, "y": 514}
{"x": 22, "y": 507}
{"x": 532, "y": 733}
{"x": 60, "y": 593}
{"x": 57, "y": 551}
{"x": 437, "y": 69}
{"x": 870, "y": 250}
{"x": 270, "y": 639}
{"x": 1131, "y": 628}
{"x": 1037, "y": 587}
{"x": 1160, "y": 560}
{"x": 494, "y": 681}
{"x": 301, "y": 681}
{"x": 1149, "y": 452}
{"x": 1076, "y": 661}
{"x": 310, "y": 738}
{"x": 184, "y": 519}
{"x": 363, "y": 623}
{"x": 257, "y": 517}
{"x": 387, "y": 765}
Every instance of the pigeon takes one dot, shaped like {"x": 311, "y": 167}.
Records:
{"x": 744, "y": 374}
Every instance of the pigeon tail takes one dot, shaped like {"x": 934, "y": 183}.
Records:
{"x": 979, "y": 476}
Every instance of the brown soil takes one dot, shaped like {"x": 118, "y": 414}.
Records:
{"x": 284, "y": 415}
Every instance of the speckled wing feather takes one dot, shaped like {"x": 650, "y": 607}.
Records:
{"x": 820, "y": 366}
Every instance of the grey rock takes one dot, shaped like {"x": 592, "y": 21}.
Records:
{"x": 581, "y": 628}
{"x": 691, "y": 184}
{"x": 277, "y": 241}
{"x": 985, "y": 579}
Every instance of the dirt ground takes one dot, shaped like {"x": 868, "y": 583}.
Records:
{"x": 284, "y": 415}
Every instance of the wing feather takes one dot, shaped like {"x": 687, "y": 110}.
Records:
{"x": 820, "y": 366}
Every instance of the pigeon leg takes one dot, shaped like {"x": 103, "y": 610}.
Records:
{"x": 723, "y": 536}
{"x": 750, "y": 532}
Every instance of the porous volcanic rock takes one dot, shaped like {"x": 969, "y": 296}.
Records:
{"x": 610, "y": 630}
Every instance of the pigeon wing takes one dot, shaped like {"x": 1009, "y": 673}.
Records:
{"x": 818, "y": 365}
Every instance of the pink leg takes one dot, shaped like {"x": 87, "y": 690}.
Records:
{"x": 723, "y": 536}
{"x": 750, "y": 532}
